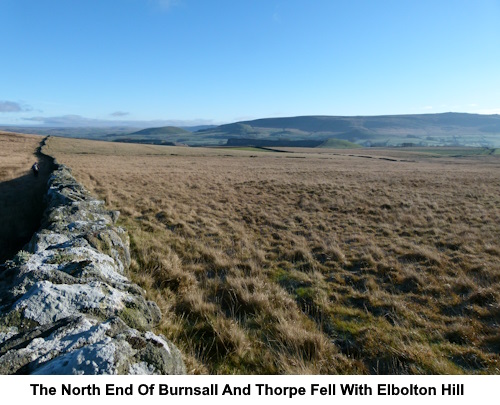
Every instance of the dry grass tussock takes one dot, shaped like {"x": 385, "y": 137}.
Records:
{"x": 21, "y": 193}
{"x": 310, "y": 262}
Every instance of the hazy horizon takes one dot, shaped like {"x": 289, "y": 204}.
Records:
{"x": 82, "y": 122}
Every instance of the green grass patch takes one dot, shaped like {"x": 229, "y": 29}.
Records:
{"x": 339, "y": 144}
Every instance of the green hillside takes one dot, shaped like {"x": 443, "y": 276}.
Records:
{"x": 169, "y": 130}
{"x": 156, "y": 136}
{"x": 447, "y": 129}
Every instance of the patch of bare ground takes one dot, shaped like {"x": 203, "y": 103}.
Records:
{"x": 330, "y": 263}
{"x": 21, "y": 193}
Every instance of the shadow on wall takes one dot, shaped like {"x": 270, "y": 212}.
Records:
{"x": 21, "y": 207}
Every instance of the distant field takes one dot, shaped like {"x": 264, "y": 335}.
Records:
{"x": 339, "y": 144}
{"x": 21, "y": 194}
{"x": 453, "y": 151}
{"x": 311, "y": 261}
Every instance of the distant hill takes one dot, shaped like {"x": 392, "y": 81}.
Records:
{"x": 161, "y": 131}
{"x": 389, "y": 130}
{"x": 156, "y": 136}
{"x": 198, "y": 127}
{"x": 447, "y": 129}
{"x": 418, "y": 122}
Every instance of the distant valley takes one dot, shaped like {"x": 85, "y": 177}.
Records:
{"x": 446, "y": 129}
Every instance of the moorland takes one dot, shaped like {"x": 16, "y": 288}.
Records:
{"x": 311, "y": 260}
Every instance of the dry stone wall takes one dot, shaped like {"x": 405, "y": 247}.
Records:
{"x": 66, "y": 306}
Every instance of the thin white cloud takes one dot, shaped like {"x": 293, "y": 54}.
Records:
{"x": 119, "y": 114}
{"x": 79, "y": 121}
{"x": 12, "y": 106}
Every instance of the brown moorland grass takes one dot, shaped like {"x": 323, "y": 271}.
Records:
{"x": 364, "y": 261}
{"x": 21, "y": 194}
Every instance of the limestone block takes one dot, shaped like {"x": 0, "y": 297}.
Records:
{"x": 66, "y": 306}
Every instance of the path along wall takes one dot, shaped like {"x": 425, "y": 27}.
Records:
{"x": 66, "y": 306}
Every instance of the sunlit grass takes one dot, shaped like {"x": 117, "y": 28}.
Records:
{"x": 365, "y": 261}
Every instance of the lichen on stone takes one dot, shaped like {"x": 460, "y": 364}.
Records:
{"x": 66, "y": 306}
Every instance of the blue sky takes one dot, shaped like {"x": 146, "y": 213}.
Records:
{"x": 214, "y": 61}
